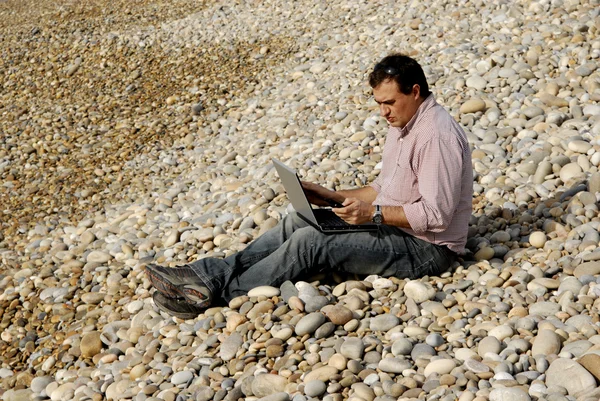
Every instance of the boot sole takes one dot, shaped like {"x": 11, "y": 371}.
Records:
{"x": 163, "y": 302}
{"x": 191, "y": 293}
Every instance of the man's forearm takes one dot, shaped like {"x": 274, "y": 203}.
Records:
{"x": 394, "y": 216}
{"x": 366, "y": 194}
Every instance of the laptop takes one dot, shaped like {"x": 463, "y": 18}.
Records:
{"x": 322, "y": 218}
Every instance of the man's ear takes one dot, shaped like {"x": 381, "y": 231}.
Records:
{"x": 416, "y": 91}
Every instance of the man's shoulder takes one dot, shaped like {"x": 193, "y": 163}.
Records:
{"x": 437, "y": 122}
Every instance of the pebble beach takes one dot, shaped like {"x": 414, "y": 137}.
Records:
{"x": 136, "y": 132}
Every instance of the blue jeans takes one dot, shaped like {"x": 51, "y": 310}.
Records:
{"x": 294, "y": 249}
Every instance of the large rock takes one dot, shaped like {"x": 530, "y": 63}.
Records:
{"x": 230, "y": 346}
{"x": 323, "y": 374}
{"x": 352, "y": 348}
{"x": 439, "y": 366}
{"x": 546, "y": 342}
{"x": 90, "y": 344}
{"x": 588, "y": 268}
{"x": 591, "y": 361}
{"x": 309, "y": 323}
{"x": 472, "y": 106}
{"x": 338, "y": 314}
{"x": 571, "y": 375}
{"x": 266, "y": 384}
{"x": 419, "y": 291}
{"x": 509, "y": 394}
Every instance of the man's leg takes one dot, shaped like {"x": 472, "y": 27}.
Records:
{"x": 216, "y": 273}
{"x": 386, "y": 252}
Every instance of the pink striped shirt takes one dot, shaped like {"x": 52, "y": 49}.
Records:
{"x": 427, "y": 170}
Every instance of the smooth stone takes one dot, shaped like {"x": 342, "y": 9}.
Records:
{"x": 476, "y": 82}
{"x": 434, "y": 340}
{"x": 267, "y": 384}
{"x": 281, "y": 396}
{"x": 383, "y": 322}
{"x": 91, "y": 344}
{"x": 501, "y": 332}
{"x": 181, "y": 377}
{"x": 570, "y": 171}
{"x": 315, "y": 388}
{"x": 98, "y": 257}
{"x": 419, "y": 291}
{"x": 578, "y": 349}
{"x": 543, "y": 169}
{"x": 571, "y": 375}
{"x": 39, "y": 383}
{"x": 338, "y": 361}
{"x": 402, "y": 346}
{"x": 63, "y": 392}
{"x": 509, "y": 394}
{"x": 18, "y": 395}
{"x": 591, "y": 110}
{"x": 472, "y": 106}
{"x": 489, "y": 344}
{"x": 338, "y": 314}
{"x": 594, "y": 182}
{"x": 323, "y": 373}
{"x": 476, "y": 366}
{"x": 591, "y": 362}
{"x": 544, "y": 309}
{"x": 264, "y": 290}
{"x": 352, "y": 348}
{"x": 421, "y": 350}
{"x": 439, "y": 366}
{"x": 231, "y": 346}
{"x": 393, "y": 365}
{"x": 93, "y": 298}
{"x": 313, "y": 304}
{"x": 587, "y": 268}
{"x": 579, "y": 146}
{"x": 547, "y": 342}
{"x": 537, "y": 239}
{"x": 309, "y": 323}
{"x": 485, "y": 253}
{"x": 288, "y": 289}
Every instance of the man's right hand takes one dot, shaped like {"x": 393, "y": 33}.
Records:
{"x": 321, "y": 196}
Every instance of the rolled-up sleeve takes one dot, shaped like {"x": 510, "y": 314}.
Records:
{"x": 376, "y": 184}
{"x": 440, "y": 171}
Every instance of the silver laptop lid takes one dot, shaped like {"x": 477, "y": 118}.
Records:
{"x": 294, "y": 190}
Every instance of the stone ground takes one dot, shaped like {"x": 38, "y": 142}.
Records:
{"x": 142, "y": 131}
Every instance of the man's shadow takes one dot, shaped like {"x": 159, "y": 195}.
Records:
{"x": 507, "y": 230}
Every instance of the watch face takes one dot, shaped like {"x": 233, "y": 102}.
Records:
{"x": 378, "y": 219}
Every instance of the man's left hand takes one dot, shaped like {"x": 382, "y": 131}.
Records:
{"x": 355, "y": 211}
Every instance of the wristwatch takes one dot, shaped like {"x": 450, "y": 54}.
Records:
{"x": 377, "y": 216}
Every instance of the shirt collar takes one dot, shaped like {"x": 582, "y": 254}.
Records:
{"x": 426, "y": 105}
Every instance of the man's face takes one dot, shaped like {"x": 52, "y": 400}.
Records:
{"x": 395, "y": 106}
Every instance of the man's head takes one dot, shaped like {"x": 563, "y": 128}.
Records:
{"x": 399, "y": 87}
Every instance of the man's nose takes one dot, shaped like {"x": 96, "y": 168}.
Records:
{"x": 383, "y": 110}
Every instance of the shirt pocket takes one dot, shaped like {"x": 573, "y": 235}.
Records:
{"x": 404, "y": 185}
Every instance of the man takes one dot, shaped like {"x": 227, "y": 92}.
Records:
{"x": 421, "y": 199}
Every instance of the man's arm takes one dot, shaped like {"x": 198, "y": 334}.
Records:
{"x": 318, "y": 195}
{"x": 358, "y": 204}
{"x": 356, "y": 211}
{"x": 366, "y": 194}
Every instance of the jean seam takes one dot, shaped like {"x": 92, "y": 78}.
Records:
{"x": 206, "y": 281}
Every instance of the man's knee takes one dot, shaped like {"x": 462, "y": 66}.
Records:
{"x": 294, "y": 221}
{"x": 307, "y": 236}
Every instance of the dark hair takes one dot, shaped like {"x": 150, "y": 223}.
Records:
{"x": 402, "y": 69}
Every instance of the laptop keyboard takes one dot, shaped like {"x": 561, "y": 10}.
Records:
{"x": 332, "y": 220}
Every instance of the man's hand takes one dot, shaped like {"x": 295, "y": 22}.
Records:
{"x": 320, "y": 196}
{"x": 355, "y": 211}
